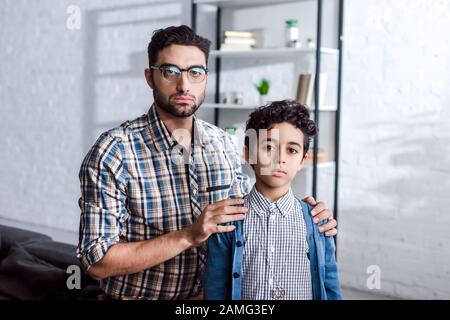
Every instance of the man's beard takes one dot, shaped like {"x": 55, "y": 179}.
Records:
{"x": 164, "y": 103}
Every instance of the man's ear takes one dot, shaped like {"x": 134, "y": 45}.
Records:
{"x": 149, "y": 77}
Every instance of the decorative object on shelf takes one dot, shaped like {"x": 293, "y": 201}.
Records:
{"x": 233, "y": 97}
{"x": 237, "y": 97}
{"x": 225, "y": 97}
{"x": 310, "y": 43}
{"x": 230, "y": 130}
{"x": 263, "y": 89}
{"x": 305, "y": 88}
{"x": 238, "y": 40}
{"x": 292, "y": 34}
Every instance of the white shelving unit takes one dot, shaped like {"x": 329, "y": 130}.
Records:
{"x": 328, "y": 120}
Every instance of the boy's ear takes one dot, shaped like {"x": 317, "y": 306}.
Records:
{"x": 306, "y": 156}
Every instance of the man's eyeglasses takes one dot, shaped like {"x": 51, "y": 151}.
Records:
{"x": 172, "y": 73}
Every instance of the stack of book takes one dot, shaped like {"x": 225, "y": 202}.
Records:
{"x": 238, "y": 40}
{"x": 305, "y": 89}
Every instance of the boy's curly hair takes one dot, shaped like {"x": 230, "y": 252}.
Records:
{"x": 283, "y": 111}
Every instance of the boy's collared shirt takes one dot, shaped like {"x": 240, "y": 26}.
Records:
{"x": 275, "y": 262}
{"x": 224, "y": 267}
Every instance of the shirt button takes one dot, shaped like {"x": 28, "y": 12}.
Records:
{"x": 272, "y": 217}
{"x": 239, "y": 243}
{"x": 272, "y": 249}
{"x": 270, "y": 281}
{"x": 194, "y": 192}
{"x": 236, "y": 275}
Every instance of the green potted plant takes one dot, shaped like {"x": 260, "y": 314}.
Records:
{"x": 263, "y": 88}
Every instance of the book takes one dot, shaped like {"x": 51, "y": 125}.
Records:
{"x": 240, "y": 34}
{"x": 305, "y": 89}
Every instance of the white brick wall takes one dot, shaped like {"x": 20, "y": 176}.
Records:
{"x": 395, "y": 174}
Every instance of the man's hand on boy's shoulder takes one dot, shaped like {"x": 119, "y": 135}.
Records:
{"x": 321, "y": 212}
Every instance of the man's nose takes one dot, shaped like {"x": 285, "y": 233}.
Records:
{"x": 183, "y": 83}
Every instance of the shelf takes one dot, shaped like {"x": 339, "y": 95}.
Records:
{"x": 269, "y": 52}
{"x": 324, "y": 109}
{"x": 243, "y": 3}
{"x": 320, "y": 165}
{"x": 228, "y": 106}
{"x": 252, "y": 107}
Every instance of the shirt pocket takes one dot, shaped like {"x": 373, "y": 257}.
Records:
{"x": 215, "y": 192}
{"x": 216, "y": 177}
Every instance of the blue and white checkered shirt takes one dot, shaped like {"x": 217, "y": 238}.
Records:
{"x": 275, "y": 263}
{"x": 135, "y": 186}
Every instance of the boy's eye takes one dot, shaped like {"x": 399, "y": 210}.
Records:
{"x": 292, "y": 150}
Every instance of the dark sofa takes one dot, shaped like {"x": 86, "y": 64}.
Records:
{"x": 34, "y": 267}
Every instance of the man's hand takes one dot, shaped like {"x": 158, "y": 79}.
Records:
{"x": 321, "y": 212}
{"x": 216, "y": 213}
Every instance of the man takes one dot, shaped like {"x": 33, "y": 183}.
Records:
{"x": 154, "y": 189}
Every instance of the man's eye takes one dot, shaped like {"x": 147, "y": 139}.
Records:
{"x": 293, "y": 151}
{"x": 196, "y": 72}
{"x": 171, "y": 70}
{"x": 269, "y": 147}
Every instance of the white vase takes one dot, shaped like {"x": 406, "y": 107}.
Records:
{"x": 262, "y": 100}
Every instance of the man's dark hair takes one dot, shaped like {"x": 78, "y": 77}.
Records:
{"x": 289, "y": 111}
{"x": 181, "y": 35}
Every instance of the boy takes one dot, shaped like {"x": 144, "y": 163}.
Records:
{"x": 276, "y": 252}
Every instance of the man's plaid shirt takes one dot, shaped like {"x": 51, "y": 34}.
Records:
{"x": 137, "y": 184}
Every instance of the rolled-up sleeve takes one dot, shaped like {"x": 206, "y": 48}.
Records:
{"x": 102, "y": 201}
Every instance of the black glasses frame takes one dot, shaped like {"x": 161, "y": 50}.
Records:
{"x": 165, "y": 65}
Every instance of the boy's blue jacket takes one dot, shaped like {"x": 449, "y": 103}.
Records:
{"x": 222, "y": 279}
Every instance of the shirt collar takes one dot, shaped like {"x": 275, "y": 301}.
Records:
{"x": 162, "y": 138}
{"x": 262, "y": 206}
